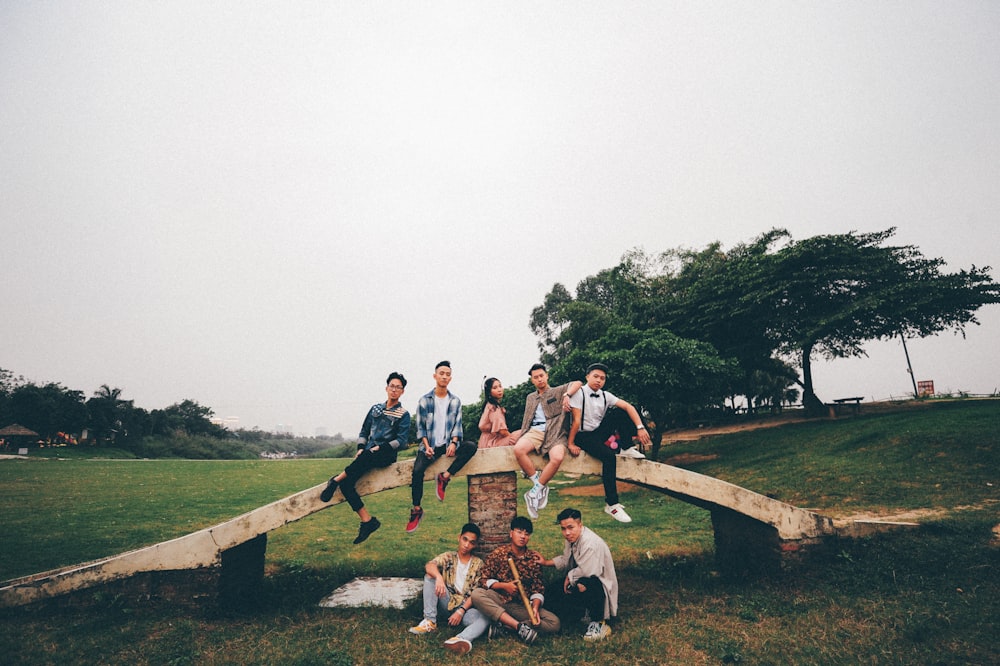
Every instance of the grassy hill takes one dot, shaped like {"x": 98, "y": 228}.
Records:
{"x": 919, "y": 597}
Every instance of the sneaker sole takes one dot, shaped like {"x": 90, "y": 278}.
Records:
{"x": 458, "y": 647}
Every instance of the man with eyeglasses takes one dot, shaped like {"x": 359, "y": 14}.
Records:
{"x": 385, "y": 429}
{"x": 602, "y": 421}
{"x": 498, "y": 596}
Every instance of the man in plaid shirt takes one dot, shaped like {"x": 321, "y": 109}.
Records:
{"x": 439, "y": 433}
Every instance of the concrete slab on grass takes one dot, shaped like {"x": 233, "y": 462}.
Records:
{"x": 386, "y": 592}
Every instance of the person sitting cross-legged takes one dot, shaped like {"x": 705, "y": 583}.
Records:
{"x": 499, "y": 597}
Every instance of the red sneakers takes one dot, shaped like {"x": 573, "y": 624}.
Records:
{"x": 416, "y": 515}
{"x": 442, "y": 483}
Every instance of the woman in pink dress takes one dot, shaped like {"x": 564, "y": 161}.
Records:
{"x": 493, "y": 422}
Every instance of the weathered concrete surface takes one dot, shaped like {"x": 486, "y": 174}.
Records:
{"x": 204, "y": 548}
{"x": 384, "y": 592}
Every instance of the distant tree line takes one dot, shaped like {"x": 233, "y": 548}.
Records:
{"x": 184, "y": 429}
{"x": 690, "y": 333}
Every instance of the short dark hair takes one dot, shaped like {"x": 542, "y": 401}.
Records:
{"x": 472, "y": 528}
{"x": 396, "y": 375}
{"x": 521, "y": 523}
{"x": 537, "y": 366}
{"x": 568, "y": 513}
{"x": 597, "y": 366}
{"x": 446, "y": 364}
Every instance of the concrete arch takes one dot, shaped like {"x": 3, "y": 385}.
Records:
{"x": 733, "y": 509}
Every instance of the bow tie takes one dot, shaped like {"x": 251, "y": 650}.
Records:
{"x": 595, "y": 395}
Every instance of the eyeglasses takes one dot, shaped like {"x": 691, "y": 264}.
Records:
{"x": 395, "y": 387}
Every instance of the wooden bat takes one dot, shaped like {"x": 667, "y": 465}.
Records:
{"x": 524, "y": 595}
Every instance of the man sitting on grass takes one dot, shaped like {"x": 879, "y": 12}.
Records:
{"x": 590, "y": 588}
{"x": 451, "y": 578}
{"x": 499, "y": 598}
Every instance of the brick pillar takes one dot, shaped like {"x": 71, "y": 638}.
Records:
{"x": 492, "y": 505}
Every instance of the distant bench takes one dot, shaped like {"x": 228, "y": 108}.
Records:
{"x": 853, "y": 403}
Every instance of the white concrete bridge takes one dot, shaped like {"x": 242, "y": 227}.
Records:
{"x": 746, "y": 523}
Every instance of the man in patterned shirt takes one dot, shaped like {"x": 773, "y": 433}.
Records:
{"x": 498, "y": 597}
{"x": 385, "y": 430}
{"x": 451, "y": 578}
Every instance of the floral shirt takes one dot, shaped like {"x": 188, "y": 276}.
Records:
{"x": 497, "y": 569}
{"x": 447, "y": 564}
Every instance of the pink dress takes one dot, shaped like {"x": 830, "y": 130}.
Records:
{"x": 490, "y": 424}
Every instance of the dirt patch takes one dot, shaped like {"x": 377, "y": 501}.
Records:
{"x": 689, "y": 459}
{"x": 595, "y": 490}
{"x": 915, "y": 515}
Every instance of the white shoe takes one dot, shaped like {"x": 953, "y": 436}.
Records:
{"x": 531, "y": 504}
{"x": 543, "y": 497}
{"x": 597, "y": 631}
{"x": 617, "y": 511}
{"x": 425, "y": 627}
{"x": 632, "y": 452}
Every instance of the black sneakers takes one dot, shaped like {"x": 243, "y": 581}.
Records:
{"x": 526, "y": 634}
{"x": 366, "y": 529}
{"x": 327, "y": 493}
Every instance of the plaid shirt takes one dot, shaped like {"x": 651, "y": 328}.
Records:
{"x": 425, "y": 418}
{"x": 496, "y": 568}
{"x": 385, "y": 426}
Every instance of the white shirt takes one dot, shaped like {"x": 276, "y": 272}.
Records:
{"x": 440, "y": 433}
{"x": 461, "y": 572}
{"x": 538, "y": 420}
{"x": 593, "y": 412}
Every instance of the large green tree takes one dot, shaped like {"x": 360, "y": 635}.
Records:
{"x": 831, "y": 294}
{"x": 771, "y": 305}
{"x": 108, "y": 415}
{"x": 47, "y": 409}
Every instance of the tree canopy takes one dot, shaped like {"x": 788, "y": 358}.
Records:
{"x": 750, "y": 320}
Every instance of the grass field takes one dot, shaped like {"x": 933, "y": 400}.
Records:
{"x": 926, "y": 597}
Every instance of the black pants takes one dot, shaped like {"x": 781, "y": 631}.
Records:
{"x": 570, "y": 606}
{"x": 463, "y": 454}
{"x": 368, "y": 460}
{"x": 615, "y": 420}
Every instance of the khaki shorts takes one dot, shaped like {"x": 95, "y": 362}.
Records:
{"x": 538, "y": 442}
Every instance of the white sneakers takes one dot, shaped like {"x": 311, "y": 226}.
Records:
{"x": 535, "y": 499}
{"x": 617, "y": 511}
{"x": 597, "y": 631}
{"x": 632, "y": 452}
{"x": 425, "y": 627}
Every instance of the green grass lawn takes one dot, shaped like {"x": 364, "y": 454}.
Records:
{"x": 918, "y": 597}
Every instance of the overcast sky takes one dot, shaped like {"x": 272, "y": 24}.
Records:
{"x": 267, "y": 206}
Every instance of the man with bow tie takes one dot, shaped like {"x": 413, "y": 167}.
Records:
{"x": 598, "y": 417}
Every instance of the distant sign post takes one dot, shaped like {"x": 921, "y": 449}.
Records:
{"x": 925, "y": 388}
